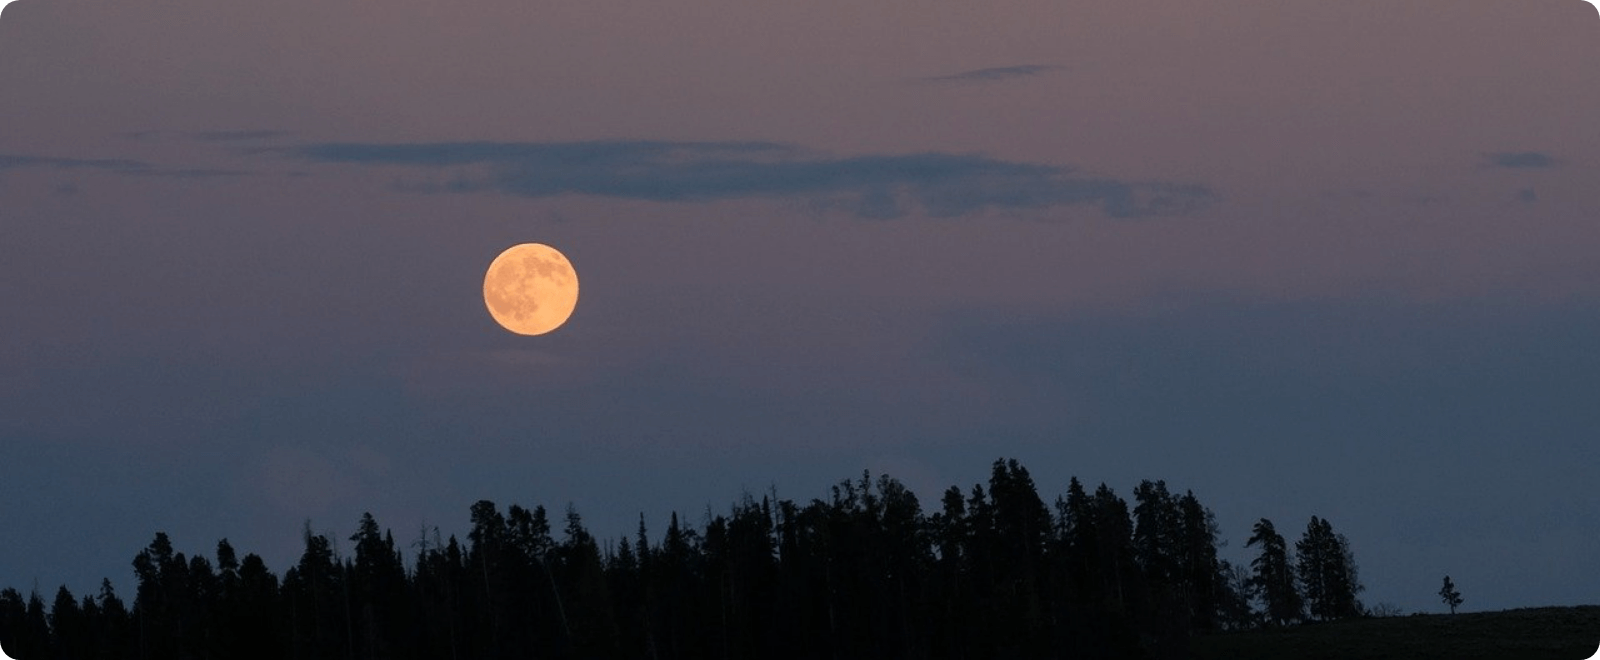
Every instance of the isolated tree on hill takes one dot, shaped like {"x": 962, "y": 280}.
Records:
{"x": 1450, "y": 595}
{"x": 1274, "y": 578}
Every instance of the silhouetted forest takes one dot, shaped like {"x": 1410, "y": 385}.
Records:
{"x": 993, "y": 572}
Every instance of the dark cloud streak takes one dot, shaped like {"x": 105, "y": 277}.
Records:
{"x": 238, "y": 136}
{"x": 1522, "y": 160}
{"x": 190, "y": 173}
{"x": 876, "y": 186}
{"x": 997, "y": 73}
{"x": 17, "y": 161}
{"x": 123, "y": 166}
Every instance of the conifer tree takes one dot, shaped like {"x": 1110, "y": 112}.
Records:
{"x": 1342, "y": 581}
{"x": 1328, "y": 572}
{"x": 258, "y": 636}
{"x": 1021, "y": 531}
{"x": 377, "y": 590}
{"x": 1312, "y": 566}
{"x": 1202, "y": 576}
{"x": 157, "y": 603}
{"x": 1155, "y": 534}
{"x": 115, "y": 624}
{"x": 1274, "y": 576}
{"x": 1449, "y": 594}
{"x": 36, "y": 642}
{"x": 69, "y": 630}
{"x": 314, "y": 591}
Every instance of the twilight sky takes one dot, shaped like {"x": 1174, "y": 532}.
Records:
{"x": 1332, "y": 258}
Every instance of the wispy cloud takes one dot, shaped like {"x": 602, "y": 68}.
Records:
{"x": 1521, "y": 160}
{"x": 241, "y": 135}
{"x": 123, "y": 166}
{"x": 190, "y": 173}
{"x": 883, "y": 186}
{"x": 997, "y": 73}
{"x": 238, "y": 136}
{"x": 18, "y": 161}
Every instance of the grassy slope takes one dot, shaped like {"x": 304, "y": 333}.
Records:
{"x": 1553, "y": 633}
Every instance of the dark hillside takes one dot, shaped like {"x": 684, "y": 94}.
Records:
{"x": 1548, "y": 633}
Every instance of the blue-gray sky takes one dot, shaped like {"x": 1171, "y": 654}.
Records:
{"x": 1331, "y": 259}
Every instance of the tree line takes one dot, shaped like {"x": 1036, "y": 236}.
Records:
{"x": 863, "y": 573}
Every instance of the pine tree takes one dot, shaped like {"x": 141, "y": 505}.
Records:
{"x": 1450, "y": 595}
{"x": 1101, "y": 573}
{"x": 377, "y": 590}
{"x": 1158, "y": 545}
{"x": 1274, "y": 576}
{"x": 1155, "y": 534}
{"x": 116, "y": 624}
{"x": 199, "y": 625}
{"x": 315, "y": 593}
{"x": 69, "y": 634}
{"x": 588, "y": 599}
{"x": 947, "y": 531}
{"x": 1021, "y": 531}
{"x": 1312, "y": 564}
{"x": 1327, "y": 571}
{"x": 37, "y": 624}
{"x": 490, "y": 577}
{"x": 158, "y": 601}
{"x": 259, "y": 610}
{"x": 1202, "y": 576}
{"x": 1343, "y": 582}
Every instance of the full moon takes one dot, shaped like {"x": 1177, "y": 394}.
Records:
{"x": 530, "y": 289}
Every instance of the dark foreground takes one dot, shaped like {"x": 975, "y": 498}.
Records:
{"x": 1553, "y": 633}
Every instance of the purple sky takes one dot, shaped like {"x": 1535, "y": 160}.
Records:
{"x": 1333, "y": 259}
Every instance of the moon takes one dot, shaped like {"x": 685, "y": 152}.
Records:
{"x": 530, "y": 289}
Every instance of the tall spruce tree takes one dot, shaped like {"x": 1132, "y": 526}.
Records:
{"x": 315, "y": 593}
{"x": 1274, "y": 576}
{"x": 37, "y": 624}
{"x": 1202, "y": 576}
{"x": 69, "y": 627}
{"x": 156, "y": 608}
{"x": 1328, "y": 572}
{"x": 256, "y": 636}
{"x": 1312, "y": 563}
{"x": 1155, "y": 535}
{"x": 1019, "y": 536}
{"x": 377, "y": 591}
{"x": 1157, "y": 542}
{"x": 116, "y": 624}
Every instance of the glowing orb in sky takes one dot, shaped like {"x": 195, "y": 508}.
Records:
{"x": 530, "y": 289}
